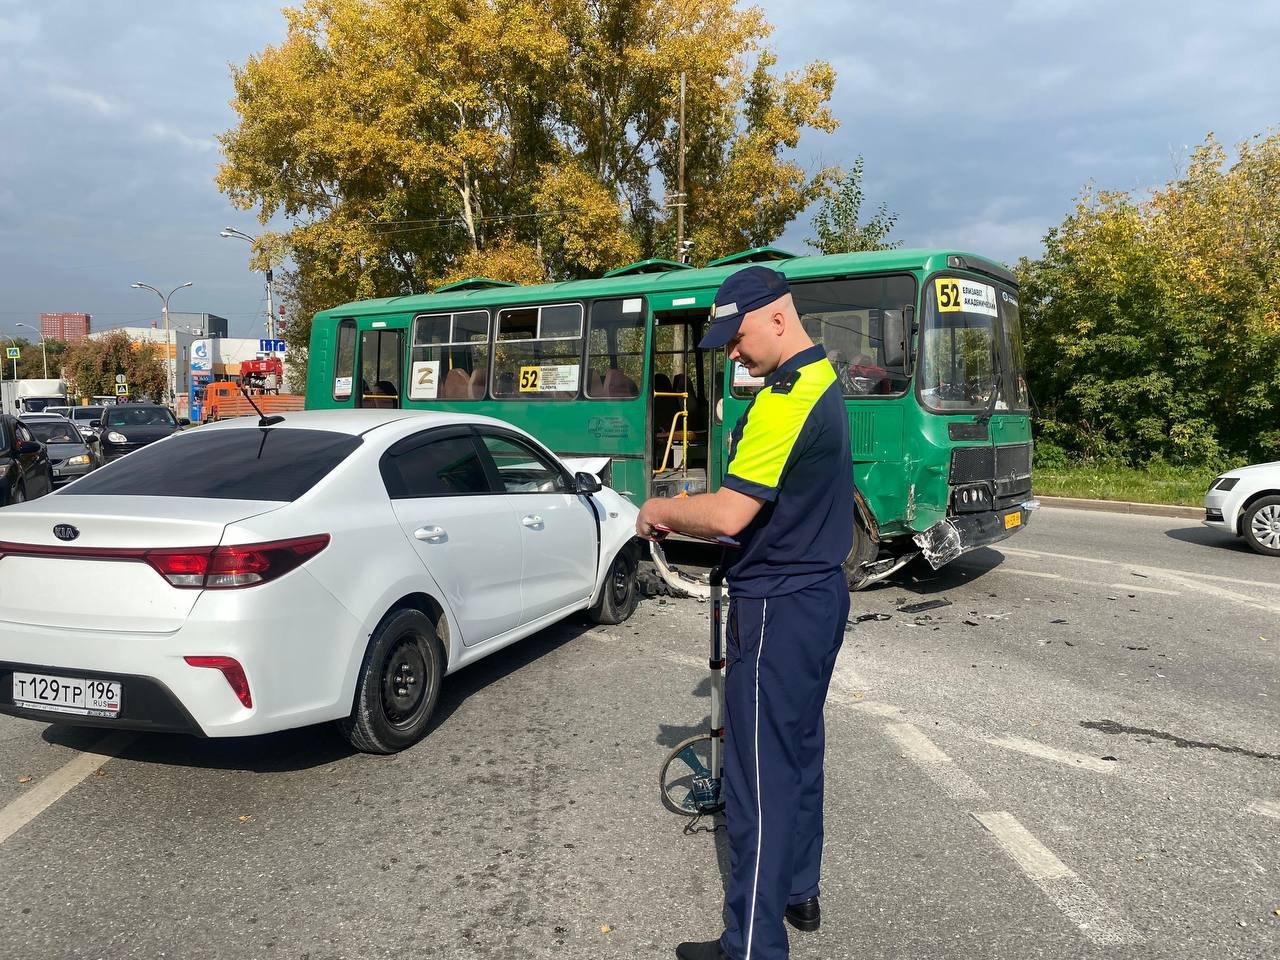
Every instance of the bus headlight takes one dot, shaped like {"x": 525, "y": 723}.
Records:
{"x": 972, "y": 499}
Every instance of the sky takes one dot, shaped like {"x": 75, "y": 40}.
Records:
{"x": 979, "y": 122}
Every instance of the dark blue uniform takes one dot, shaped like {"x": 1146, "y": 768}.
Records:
{"x": 788, "y": 606}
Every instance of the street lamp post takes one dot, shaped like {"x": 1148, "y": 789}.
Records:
{"x": 271, "y": 310}
{"x": 171, "y": 365}
{"x": 43, "y": 353}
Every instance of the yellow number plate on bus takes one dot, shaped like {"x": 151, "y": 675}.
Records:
{"x": 1012, "y": 520}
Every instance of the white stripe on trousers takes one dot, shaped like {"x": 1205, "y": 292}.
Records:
{"x": 755, "y": 883}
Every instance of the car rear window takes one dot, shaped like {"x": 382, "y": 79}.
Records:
{"x": 273, "y": 464}
{"x": 133, "y": 415}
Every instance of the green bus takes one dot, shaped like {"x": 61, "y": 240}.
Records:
{"x": 926, "y": 343}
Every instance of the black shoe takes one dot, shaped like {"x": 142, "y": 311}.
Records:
{"x": 805, "y": 915}
{"x": 701, "y": 950}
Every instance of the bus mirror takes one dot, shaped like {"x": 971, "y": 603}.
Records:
{"x": 895, "y": 339}
{"x": 587, "y": 482}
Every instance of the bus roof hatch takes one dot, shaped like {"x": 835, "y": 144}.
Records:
{"x": 655, "y": 265}
{"x": 473, "y": 283}
{"x": 754, "y": 255}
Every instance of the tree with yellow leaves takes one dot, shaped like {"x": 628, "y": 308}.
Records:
{"x": 411, "y": 141}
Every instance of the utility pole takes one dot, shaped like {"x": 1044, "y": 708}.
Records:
{"x": 680, "y": 251}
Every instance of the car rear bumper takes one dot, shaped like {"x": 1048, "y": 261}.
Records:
{"x": 291, "y": 637}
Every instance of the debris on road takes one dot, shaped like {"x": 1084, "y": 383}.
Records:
{"x": 24, "y": 779}
{"x": 1059, "y": 620}
{"x": 924, "y": 605}
{"x": 875, "y": 617}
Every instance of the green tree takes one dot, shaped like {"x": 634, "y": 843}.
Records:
{"x": 837, "y": 222}
{"x": 31, "y": 362}
{"x": 407, "y": 141}
{"x": 1153, "y": 324}
{"x": 91, "y": 366}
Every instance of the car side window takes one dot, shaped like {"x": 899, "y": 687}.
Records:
{"x": 521, "y": 468}
{"x": 445, "y": 467}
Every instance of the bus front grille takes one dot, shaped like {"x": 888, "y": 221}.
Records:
{"x": 1007, "y": 464}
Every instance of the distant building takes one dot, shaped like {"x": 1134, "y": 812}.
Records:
{"x": 177, "y": 358}
{"x": 71, "y": 327}
{"x": 199, "y": 324}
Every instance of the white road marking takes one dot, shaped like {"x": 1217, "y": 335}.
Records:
{"x": 52, "y": 788}
{"x": 939, "y": 768}
{"x": 1268, "y": 808}
{"x": 1097, "y": 921}
{"x": 1032, "y": 573}
{"x": 1065, "y": 757}
{"x": 1186, "y": 580}
{"x": 1134, "y": 588}
{"x": 1038, "y": 554}
{"x": 877, "y": 709}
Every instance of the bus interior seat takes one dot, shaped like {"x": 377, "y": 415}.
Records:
{"x": 456, "y": 386}
{"x": 618, "y": 384}
{"x": 477, "y": 382}
{"x": 595, "y": 384}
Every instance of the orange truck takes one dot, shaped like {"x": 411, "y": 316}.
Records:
{"x": 224, "y": 400}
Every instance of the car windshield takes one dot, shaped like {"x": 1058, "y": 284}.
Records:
{"x": 54, "y": 431}
{"x": 137, "y": 416}
{"x": 961, "y": 366}
{"x": 276, "y": 464}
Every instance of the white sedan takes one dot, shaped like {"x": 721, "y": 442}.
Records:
{"x": 244, "y": 578}
{"x": 1246, "y": 503}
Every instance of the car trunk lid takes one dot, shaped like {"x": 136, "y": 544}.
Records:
{"x": 78, "y": 562}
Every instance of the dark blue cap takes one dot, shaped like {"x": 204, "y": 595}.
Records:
{"x": 742, "y": 292}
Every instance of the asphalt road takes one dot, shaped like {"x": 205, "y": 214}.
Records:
{"x": 1078, "y": 757}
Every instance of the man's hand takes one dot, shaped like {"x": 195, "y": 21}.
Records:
{"x": 649, "y": 515}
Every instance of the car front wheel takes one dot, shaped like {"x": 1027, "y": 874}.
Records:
{"x": 621, "y": 592}
{"x": 1262, "y": 526}
{"x": 398, "y": 685}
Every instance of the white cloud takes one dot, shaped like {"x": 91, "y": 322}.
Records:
{"x": 19, "y": 29}
{"x": 103, "y": 106}
{"x": 157, "y": 130}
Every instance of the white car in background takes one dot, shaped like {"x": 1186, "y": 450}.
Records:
{"x": 1246, "y": 503}
{"x": 254, "y": 576}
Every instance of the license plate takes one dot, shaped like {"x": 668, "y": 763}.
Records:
{"x": 57, "y": 471}
{"x": 77, "y": 695}
{"x": 1012, "y": 520}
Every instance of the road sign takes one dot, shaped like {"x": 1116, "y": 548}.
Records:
{"x": 121, "y": 378}
{"x": 122, "y": 389}
{"x": 12, "y": 353}
{"x": 271, "y": 346}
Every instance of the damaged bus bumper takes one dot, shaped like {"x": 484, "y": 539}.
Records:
{"x": 954, "y": 536}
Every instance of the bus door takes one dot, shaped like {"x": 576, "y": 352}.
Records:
{"x": 682, "y": 403}
{"x": 381, "y": 369}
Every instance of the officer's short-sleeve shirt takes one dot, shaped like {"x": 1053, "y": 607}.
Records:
{"x": 791, "y": 449}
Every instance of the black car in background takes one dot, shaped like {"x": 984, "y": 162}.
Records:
{"x": 131, "y": 426}
{"x": 25, "y": 472}
{"x": 71, "y": 453}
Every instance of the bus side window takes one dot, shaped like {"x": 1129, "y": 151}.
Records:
{"x": 615, "y": 349}
{"x": 450, "y": 355}
{"x": 537, "y": 355}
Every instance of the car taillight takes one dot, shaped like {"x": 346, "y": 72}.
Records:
{"x": 232, "y": 670}
{"x": 243, "y": 565}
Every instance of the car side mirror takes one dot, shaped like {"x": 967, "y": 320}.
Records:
{"x": 587, "y": 482}
{"x": 29, "y": 446}
{"x": 96, "y": 424}
{"x": 184, "y": 422}
{"x": 92, "y": 438}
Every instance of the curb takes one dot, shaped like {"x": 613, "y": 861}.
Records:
{"x": 1124, "y": 506}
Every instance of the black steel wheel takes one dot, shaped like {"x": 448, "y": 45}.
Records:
{"x": 398, "y": 685}
{"x": 621, "y": 591}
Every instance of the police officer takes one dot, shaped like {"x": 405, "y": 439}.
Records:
{"x": 787, "y": 496}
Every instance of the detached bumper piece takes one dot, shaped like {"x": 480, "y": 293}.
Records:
{"x": 954, "y": 536}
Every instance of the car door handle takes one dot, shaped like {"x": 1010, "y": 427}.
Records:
{"x": 431, "y": 534}
{"x": 532, "y": 520}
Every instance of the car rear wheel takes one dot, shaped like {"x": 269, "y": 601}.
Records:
{"x": 398, "y": 685}
{"x": 621, "y": 592}
{"x": 1262, "y": 526}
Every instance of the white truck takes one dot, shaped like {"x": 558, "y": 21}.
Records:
{"x": 31, "y": 396}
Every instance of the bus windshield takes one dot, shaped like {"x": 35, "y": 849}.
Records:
{"x": 962, "y": 364}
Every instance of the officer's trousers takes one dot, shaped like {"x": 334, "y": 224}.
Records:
{"x": 780, "y": 652}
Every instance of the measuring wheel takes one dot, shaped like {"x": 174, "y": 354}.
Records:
{"x": 690, "y": 778}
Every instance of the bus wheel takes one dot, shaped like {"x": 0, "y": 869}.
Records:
{"x": 865, "y": 550}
